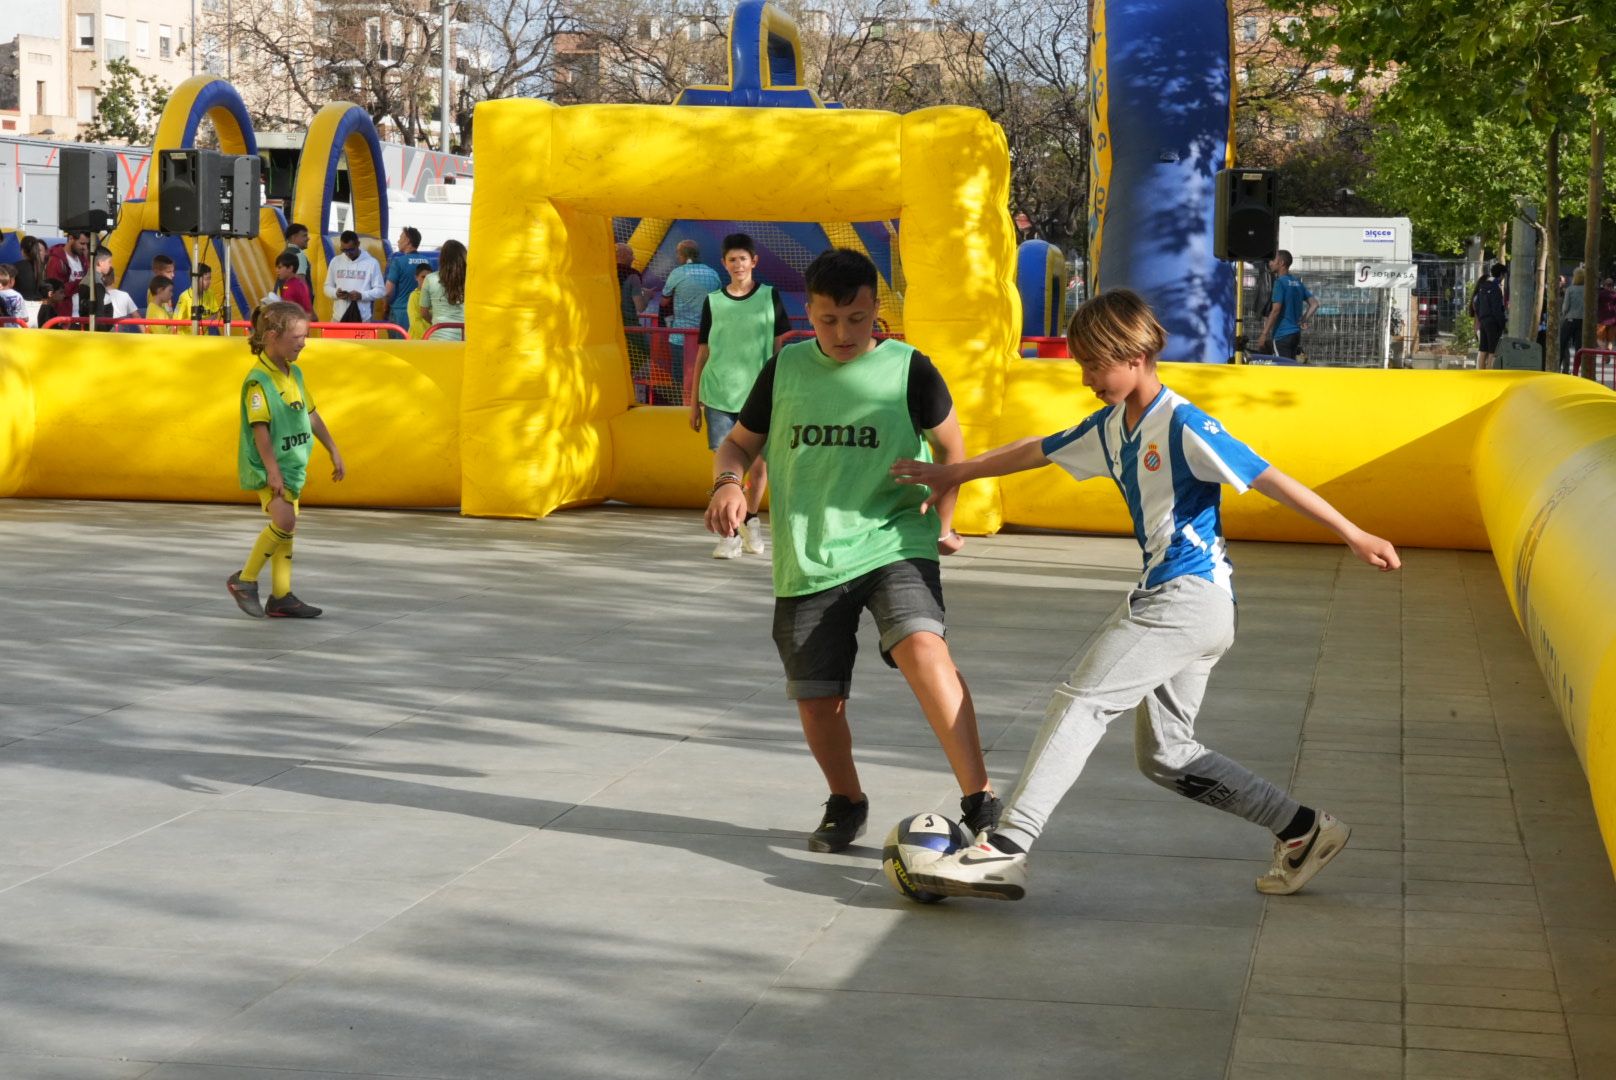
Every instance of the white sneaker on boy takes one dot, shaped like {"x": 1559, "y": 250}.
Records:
{"x": 728, "y": 547}
{"x": 752, "y": 536}
{"x": 979, "y": 870}
{"x": 1296, "y": 861}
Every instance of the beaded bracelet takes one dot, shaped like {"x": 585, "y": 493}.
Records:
{"x": 724, "y": 480}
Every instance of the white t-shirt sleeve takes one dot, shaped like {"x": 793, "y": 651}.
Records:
{"x": 1078, "y": 449}
{"x": 1217, "y": 457}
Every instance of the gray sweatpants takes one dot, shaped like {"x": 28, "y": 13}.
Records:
{"x": 1155, "y": 654}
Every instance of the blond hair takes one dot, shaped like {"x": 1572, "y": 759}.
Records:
{"x": 1113, "y": 328}
{"x": 1577, "y": 276}
{"x": 273, "y": 318}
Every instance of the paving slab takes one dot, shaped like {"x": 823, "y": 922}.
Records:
{"x": 529, "y": 802}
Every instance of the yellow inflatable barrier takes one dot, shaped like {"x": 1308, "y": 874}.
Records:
{"x": 1546, "y": 478}
{"x": 160, "y": 420}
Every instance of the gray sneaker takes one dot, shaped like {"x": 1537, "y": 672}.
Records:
{"x": 245, "y": 594}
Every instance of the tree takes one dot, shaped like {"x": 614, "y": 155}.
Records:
{"x": 127, "y": 107}
{"x": 1544, "y": 66}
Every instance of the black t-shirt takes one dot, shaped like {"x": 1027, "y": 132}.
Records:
{"x": 929, "y": 399}
{"x": 782, "y": 319}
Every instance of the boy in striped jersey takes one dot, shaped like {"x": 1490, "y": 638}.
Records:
{"x": 1169, "y": 460}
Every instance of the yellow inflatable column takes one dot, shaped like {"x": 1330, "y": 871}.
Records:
{"x": 958, "y": 249}
{"x": 1546, "y": 477}
{"x": 544, "y": 362}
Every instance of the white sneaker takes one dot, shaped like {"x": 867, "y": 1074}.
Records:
{"x": 728, "y": 548}
{"x": 979, "y": 870}
{"x": 752, "y": 541}
{"x": 1296, "y": 861}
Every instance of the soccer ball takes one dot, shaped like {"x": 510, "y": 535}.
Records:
{"x": 914, "y": 842}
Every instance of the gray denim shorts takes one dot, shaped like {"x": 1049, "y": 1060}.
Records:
{"x": 719, "y": 425}
{"x": 817, "y": 634}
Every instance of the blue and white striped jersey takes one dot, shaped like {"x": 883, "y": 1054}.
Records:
{"x": 1170, "y": 470}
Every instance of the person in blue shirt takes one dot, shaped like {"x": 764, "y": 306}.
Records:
{"x": 1288, "y": 311}
{"x": 685, "y": 292}
{"x": 401, "y": 275}
{"x": 1169, "y": 460}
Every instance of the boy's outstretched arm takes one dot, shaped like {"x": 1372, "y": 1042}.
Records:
{"x": 1305, "y": 501}
{"x": 947, "y": 444}
{"x": 944, "y": 477}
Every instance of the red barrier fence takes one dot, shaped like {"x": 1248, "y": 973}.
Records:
{"x": 1602, "y": 362}
{"x": 460, "y": 326}
{"x": 316, "y": 329}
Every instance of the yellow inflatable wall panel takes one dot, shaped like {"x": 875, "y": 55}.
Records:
{"x": 162, "y": 423}
{"x": 1546, "y": 478}
{"x": 1400, "y": 471}
{"x": 549, "y": 368}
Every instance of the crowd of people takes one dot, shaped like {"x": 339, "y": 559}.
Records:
{"x": 69, "y": 281}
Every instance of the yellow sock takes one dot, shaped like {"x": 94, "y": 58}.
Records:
{"x": 268, "y": 540}
{"x": 280, "y": 568}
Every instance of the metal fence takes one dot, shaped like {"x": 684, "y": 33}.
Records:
{"x": 1362, "y": 327}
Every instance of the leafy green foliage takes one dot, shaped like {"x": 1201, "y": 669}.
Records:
{"x": 128, "y": 107}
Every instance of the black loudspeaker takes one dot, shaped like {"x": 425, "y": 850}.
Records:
{"x": 1246, "y": 224}
{"x": 188, "y": 193}
{"x": 241, "y": 194}
{"x": 87, "y": 190}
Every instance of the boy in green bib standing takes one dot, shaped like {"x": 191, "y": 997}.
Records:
{"x": 742, "y": 325}
{"x": 278, "y": 426}
{"x": 831, "y": 415}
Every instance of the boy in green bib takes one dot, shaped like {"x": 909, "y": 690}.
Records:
{"x": 742, "y": 325}
{"x": 278, "y": 424}
{"x": 831, "y": 415}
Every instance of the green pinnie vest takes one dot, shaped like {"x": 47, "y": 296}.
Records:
{"x": 738, "y": 345}
{"x": 834, "y": 433}
{"x": 290, "y": 435}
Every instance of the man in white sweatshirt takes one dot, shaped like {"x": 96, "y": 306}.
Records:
{"x": 354, "y": 281}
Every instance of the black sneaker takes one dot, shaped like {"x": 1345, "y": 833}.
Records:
{"x": 290, "y": 607}
{"x": 843, "y": 823}
{"x": 245, "y": 594}
{"x": 979, "y": 813}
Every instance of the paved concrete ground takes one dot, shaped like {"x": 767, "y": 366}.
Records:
{"x": 528, "y": 803}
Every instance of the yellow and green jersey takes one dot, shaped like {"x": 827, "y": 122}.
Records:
{"x": 280, "y": 400}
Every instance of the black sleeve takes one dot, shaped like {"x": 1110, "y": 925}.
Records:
{"x": 929, "y": 399}
{"x": 706, "y": 320}
{"x": 782, "y": 317}
{"x": 758, "y": 411}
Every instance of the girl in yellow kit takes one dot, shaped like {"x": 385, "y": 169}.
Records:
{"x": 278, "y": 422}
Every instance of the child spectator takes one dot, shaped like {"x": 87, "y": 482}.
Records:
{"x": 290, "y": 287}
{"x": 160, "y": 303}
{"x": 418, "y": 326}
{"x": 278, "y": 420}
{"x": 847, "y": 539}
{"x": 443, "y": 294}
{"x": 1170, "y": 461}
{"x": 13, "y": 312}
{"x": 742, "y": 325}
{"x": 193, "y": 305}
{"x": 55, "y": 305}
